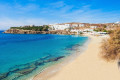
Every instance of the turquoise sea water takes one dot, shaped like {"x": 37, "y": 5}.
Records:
{"x": 22, "y": 54}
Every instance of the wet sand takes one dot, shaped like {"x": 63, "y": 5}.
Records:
{"x": 87, "y": 66}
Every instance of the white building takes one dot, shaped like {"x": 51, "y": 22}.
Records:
{"x": 74, "y": 25}
{"x": 59, "y": 26}
{"x": 88, "y": 30}
{"x": 82, "y": 30}
{"x": 78, "y": 31}
{"x": 93, "y": 27}
{"x": 81, "y": 25}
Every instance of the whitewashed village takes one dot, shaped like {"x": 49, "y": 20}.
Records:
{"x": 83, "y": 28}
{"x": 73, "y": 28}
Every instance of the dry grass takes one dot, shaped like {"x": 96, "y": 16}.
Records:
{"x": 110, "y": 49}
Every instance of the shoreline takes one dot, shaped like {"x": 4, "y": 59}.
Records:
{"x": 53, "y": 69}
{"x": 31, "y": 68}
{"x": 87, "y": 66}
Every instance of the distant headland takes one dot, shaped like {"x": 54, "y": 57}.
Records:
{"x": 72, "y": 28}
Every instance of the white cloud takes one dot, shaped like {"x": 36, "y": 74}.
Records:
{"x": 28, "y": 7}
{"x": 58, "y": 4}
{"x": 6, "y": 23}
{"x": 56, "y": 12}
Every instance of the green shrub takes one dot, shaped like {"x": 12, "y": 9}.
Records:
{"x": 34, "y": 28}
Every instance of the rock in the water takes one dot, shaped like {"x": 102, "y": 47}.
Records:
{"x": 25, "y": 71}
{"x": 54, "y": 59}
{"x": 4, "y": 75}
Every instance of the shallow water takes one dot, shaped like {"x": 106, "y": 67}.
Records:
{"x": 22, "y": 54}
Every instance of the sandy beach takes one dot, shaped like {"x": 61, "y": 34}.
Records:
{"x": 87, "y": 66}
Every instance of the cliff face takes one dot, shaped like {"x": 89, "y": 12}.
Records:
{"x": 19, "y": 31}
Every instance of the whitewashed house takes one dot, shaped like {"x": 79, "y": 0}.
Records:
{"x": 93, "y": 27}
{"x": 59, "y": 26}
{"x": 78, "y": 31}
{"x": 81, "y": 25}
{"x": 74, "y": 25}
{"x": 88, "y": 30}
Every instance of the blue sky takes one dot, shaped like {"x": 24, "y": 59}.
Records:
{"x": 38, "y": 12}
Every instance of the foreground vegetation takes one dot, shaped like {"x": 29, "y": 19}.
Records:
{"x": 102, "y": 29}
{"x": 34, "y": 28}
{"x": 111, "y": 47}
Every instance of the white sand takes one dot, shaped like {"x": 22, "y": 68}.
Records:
{"x": 89, "y": 66}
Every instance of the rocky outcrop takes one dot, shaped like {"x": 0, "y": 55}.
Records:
{"x": 19, "y": 31}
